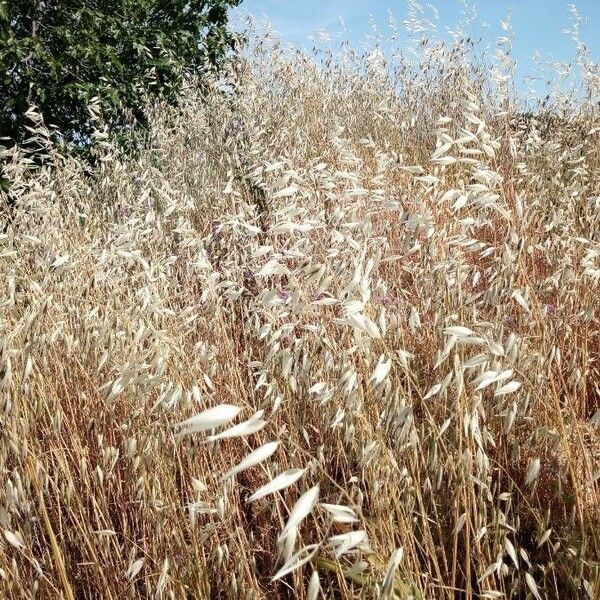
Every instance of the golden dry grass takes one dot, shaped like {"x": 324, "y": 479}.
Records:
{"x": 311, "y": 245}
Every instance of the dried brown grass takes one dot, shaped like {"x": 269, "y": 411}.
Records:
{"x": 269, "y": 248}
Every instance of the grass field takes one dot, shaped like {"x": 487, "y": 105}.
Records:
{"x": 331, "y": 333}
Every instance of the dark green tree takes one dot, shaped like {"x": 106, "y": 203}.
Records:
{"x": 59, "y": 54}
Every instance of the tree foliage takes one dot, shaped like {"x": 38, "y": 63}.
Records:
{"x": 59, "y": 54}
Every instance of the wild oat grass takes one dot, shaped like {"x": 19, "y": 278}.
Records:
{"x": 333, "y": 332}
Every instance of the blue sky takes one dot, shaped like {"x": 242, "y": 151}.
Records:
{"x": 537, "y": 24}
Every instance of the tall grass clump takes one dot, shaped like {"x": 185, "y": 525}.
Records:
{"x": 333, "y": 332}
